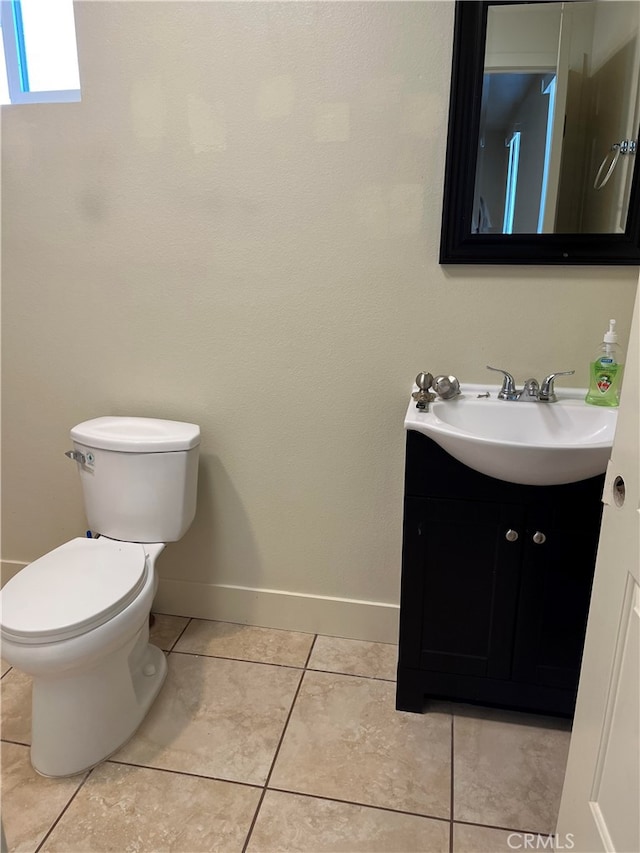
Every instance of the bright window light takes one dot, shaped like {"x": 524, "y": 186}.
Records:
{"x": 40, "y": 55}
{"x": 512, "y": 183}
{"x": 550, "y": 90}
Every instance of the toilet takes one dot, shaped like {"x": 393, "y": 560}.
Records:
{"x": 77, "y": 619}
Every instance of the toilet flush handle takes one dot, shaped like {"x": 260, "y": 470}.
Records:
{"x": 76, "y": 456}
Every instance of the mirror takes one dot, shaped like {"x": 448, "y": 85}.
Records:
{"x": 543, "y": 127}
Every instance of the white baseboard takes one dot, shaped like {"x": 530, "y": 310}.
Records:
{"x": 269, "y": 608}
{"x": 272, "y": 608}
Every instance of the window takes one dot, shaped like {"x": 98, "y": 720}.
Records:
{"x": 40, "y": 59}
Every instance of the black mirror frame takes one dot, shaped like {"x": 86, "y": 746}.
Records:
{"x": 458, "y": 245}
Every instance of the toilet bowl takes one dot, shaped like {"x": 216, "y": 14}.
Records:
{"x": 76, "y": 621}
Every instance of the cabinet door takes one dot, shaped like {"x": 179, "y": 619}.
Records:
{"x": 558, "y": 563}
{"x": 460, "y": 585}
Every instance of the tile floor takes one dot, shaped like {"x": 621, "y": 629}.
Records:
{"x": 274, "y": 741}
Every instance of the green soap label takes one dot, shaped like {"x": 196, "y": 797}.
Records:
{"x": 605, "y": 370}
{"x": 604, "y": 385}
{"x": 604, "y": 382}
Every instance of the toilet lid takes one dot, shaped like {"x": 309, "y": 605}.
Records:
{"x": 72, "y": 589}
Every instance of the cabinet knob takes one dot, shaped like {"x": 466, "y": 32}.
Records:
{"x": 511, "y": 535}
{"x": 539, "y": 538}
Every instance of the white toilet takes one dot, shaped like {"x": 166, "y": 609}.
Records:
{"x": 77, "y": 619}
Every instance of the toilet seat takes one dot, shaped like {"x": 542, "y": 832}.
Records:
{"x": 73, "y": 589}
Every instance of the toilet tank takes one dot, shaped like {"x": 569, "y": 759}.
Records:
{"x": 139, "y": 476}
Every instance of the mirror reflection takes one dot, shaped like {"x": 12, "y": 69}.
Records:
{"x": 559, "y": 118}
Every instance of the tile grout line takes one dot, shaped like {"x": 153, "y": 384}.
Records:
{"x": 304, "y": 667}
{"x": 360, "y": 805}
{"x": 239, "y": 624}
{"x": 276, "y": 753}
{"x": 121, "y": 763}
{"x": 179, "y": 637}
{"x": 64, "y": 810}
{"x": 311, "y": 648}
{"x": 239, "y": 660}
{"x": 502, "y": 828}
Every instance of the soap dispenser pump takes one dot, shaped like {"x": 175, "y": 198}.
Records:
{"x": 605, "y": 371}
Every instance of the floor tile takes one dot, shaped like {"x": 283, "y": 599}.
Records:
{"x": 4, "y": 667}
{"x": 245, "y": 642}
{"x": 15, "y": 688}
{"x": 137, "y": 809}
{"x": 166, "y": 630}
{"x": 215, "y": 717}
{"x": 377, "y": 777}
{"x": 345, "y": 740}
{"x": 30, "y": 802}
{"x": 296, "y": 824}
{"x": 483, "y": 839}
{"x": 509, "y": 769}
{"x": 354, "y": 657}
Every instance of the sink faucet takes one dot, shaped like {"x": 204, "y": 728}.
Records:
{"x": 532, "y": 392}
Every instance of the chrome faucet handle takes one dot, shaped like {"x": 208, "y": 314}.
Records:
{"x": 508, "y": 390}
{"x": 547, "y": 390}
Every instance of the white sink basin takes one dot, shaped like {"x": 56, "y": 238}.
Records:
{"x": 539, "y": 444}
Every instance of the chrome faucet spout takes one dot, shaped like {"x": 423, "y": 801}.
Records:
{"x": 530, "y": 392}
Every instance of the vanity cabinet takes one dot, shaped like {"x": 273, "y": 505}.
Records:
{"x": 496, "y": 581}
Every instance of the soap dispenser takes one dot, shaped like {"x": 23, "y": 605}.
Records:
{"x": 605, "y": 371}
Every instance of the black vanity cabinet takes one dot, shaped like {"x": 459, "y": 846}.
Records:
{"x": 496, "y": 581}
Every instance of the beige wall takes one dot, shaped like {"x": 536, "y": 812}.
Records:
{"x": 239, "y": 226}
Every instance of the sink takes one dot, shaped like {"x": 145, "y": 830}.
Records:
{"x": 538, "y": 444}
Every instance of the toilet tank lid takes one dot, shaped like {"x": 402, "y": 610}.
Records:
{"x": 136, "y": 435}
